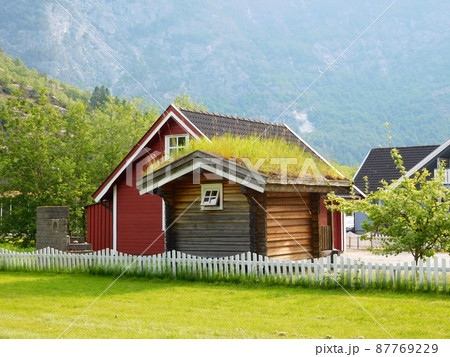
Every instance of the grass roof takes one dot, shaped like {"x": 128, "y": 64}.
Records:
{"x": 263, "y": 154}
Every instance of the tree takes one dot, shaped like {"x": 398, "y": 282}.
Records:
{"x": 99, "y": 97}
{"x": 48, "y": 157}
{"x": 34, "y": 168}
{"x": 185, "y": 101}
{"x": 414, "y": 212}
{"x": 115, "y": 129}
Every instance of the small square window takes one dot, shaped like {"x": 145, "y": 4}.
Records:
{"x": 212, "y": 197}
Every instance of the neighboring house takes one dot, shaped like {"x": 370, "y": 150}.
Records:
{"x": 379, "y": 165}
{"x": 128, "y": 222}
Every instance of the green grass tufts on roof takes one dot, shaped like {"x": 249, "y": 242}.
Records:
{"x": 266, "y": 155}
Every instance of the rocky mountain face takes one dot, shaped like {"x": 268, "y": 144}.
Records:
{"x": 253, "y": 58}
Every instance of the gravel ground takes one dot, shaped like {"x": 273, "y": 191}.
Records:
{"x": 367, "y": 256}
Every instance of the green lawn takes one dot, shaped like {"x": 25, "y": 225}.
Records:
{"x": 42, "y": 306}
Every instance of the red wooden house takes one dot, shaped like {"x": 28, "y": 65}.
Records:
{"x": 123, "y": 220}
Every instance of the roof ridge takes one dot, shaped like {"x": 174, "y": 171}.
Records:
{"x": 403, "y": 147}
{"x": 232, "y": 117}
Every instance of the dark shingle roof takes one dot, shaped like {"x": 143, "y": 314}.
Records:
{"x": 212, "y": 124}
{"x": 379, "y": 165}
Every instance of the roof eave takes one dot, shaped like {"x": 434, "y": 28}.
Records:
{"x": 201, "y": 160}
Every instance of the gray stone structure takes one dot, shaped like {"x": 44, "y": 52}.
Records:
{"x": 52, "y": 227}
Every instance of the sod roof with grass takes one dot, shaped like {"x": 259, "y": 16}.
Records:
{"x": 269, "y": 156}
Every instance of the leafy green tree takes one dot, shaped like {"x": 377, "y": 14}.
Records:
{"x": 34, "y": 167}
{"x": 116, "y": 129}
{"x": 414, "y": 212}
{"x": 51, "y": 157}
{"x": 185, "y": 101}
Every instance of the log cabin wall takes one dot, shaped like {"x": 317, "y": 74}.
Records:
{"x": 206, "y": 233}
{"x": 314, "y": 207}
{"x": 257, "y": 203}
{"x": 296, "y": 213}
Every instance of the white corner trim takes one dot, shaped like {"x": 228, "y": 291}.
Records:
{"x": 313, "y": 150}
{"x": 114, "y": 232}
{"x": 360, "y": 192}
{"x": 163, "y": 224}
{"x": 343, "y": 235}
{"x": 172, "y": 115}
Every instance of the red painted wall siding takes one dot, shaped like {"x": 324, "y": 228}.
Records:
{"x": 139, "y": 221}
{"x": 336, "y": 221}
{"x": 99, "y": 226}
{"x": 337, "y": 230}
{"x": 139, "y": 218}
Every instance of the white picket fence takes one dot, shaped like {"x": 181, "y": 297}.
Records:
{"x": 354, "y": 241}
{"x": 323, "y": 271}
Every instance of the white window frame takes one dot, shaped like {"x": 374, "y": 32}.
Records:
{"x": 167, "y": 146}
{"x": 212, "y": 187}
{"x": 440, "y": 160}
{"x": 446, "y": 169}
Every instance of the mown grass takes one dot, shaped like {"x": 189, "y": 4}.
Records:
{"x": 253, "y": 149}
{"x": 39, "y": 305}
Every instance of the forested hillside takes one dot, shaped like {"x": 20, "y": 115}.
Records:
{"x": 57, "y": 145}
{"x": 253, "y": 58}
{"x": 16, "y": 77}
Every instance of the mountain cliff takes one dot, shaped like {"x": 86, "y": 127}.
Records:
{"x": 254, "y": 58}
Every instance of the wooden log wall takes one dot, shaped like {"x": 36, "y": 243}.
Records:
{"x": 207, "y": 233}
{"x": 257, "y": 203}
{"x": 326, "y": 238}
{"x": 292, "y": 225}
{"x": 314, "y": 207}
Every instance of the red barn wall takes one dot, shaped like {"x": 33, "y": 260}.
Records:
{"x": 337, "y": 230}
{"x": 139, "y": 221}
{"x": 139, "y": 218}
{"x": 99, "y": 225}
